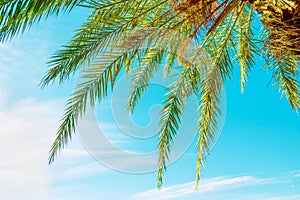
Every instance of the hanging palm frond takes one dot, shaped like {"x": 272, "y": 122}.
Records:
{"x": 171, "y": 114}
{"x": 247, "y": 44}
{"x": 18, "y": 15}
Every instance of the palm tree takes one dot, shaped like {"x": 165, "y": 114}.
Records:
{"x": 107, "y": 42}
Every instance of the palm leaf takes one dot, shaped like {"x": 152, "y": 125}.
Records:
{"x": 171, "y": 115}
{"x": 142, "y": 75}
{"x": 246, "y": 44}
{"x": 100, "y": 76}
{"x": 209, "y": 111}
{"x": 18, "y": 15}
{"x": 102, "y": 29}
{"x": 285, "y": 77}
{"x": 213, "y": 77}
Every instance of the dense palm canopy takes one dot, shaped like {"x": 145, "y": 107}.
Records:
{"x": 107, "y": 43}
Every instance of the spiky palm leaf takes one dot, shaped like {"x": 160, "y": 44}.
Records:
{"x": 172, "y": 111}
{"x": 17, "y": 15}
{"x": 286, "y": 77}
{"x": 246, "y": 44}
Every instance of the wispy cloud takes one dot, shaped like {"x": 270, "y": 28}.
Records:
{"x": 205, "y": 186}
{"x": 24, "y": 58}
{"x": 292, "y": 174}
{"x": 79, "y": 170}
{"x": 3, "y": 95}
{"x": 297, "y": 174}
{"x": 26, "y": 132}
{"x": 288, "y": 197}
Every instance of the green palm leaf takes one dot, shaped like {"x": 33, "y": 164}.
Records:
{"x": 246, "y": 44}
{"x": 286, "y": 78}
{"x": 171, "y": 114}
{"x": 18, "y": 15}
{"x": 100, "y": 77}
{"x": 211, "y": 84}
{"x": 142, "y": 75}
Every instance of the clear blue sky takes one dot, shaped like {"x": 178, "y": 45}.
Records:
{"x": 256, "y": 157}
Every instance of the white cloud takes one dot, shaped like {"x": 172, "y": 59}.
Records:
{"x": 288, "y": 197}
{"x": 292, "y": 174}
{"x": 3, "y": 95}
{"x": 205, "y": 186}
{"x": 74, "y": 168}
{"x": 26, "y": 133}
{"x": 297, "y": 174}
{"x": 24, "y": 58}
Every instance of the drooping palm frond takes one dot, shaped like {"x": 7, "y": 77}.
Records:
{"x": 102, "y": 28}
{"x": 142, "y": 75}
{"x": 162, "y": 45}
{"x": 211, "y": 84}
{"x": 247, "y": 47}
{"x": 170, "y": 62}
{"x": 209, "y": 111}
{"x": 18, "y": 15}
{"x": 171, "y": 114}
{"x": 286, "y": 77}
{"x": 101, "y": 77}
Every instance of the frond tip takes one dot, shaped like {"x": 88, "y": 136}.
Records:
{"x": 209, "y": 111}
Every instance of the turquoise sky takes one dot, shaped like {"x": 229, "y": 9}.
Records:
{"x": 256, "y": 156}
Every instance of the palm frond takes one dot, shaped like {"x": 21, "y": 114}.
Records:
{"x": 93, "y": 37}
{"x": 171, "y": 115}
{"x": 102, "y": 29}
{"x": 209, "y": 111}
{"x": 286, "y": 77}
{"x": 142, "y": 75}
{"x": 246, "y": 44}
{"x": 224, "y": 14}
{"x": 18, "y": 15}
{"x": 170, "y": 62}
{"x": 100, "y": 77}
{"x": 213, "y": 77}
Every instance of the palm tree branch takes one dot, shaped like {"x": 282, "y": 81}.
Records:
{"x": 285, "y": 76}
{"x": 101, "y": 30}
{"x": 171, "y": 115}
{"x": 18, "y": 15}
{"x": 220, "y": 19}
{"x": 211, "y": 86}
{"x": 246, "y": 45}
{"x": 209, "y": 111}
{"x": 100, "y": 77}
{"x": 142, "y": 75}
